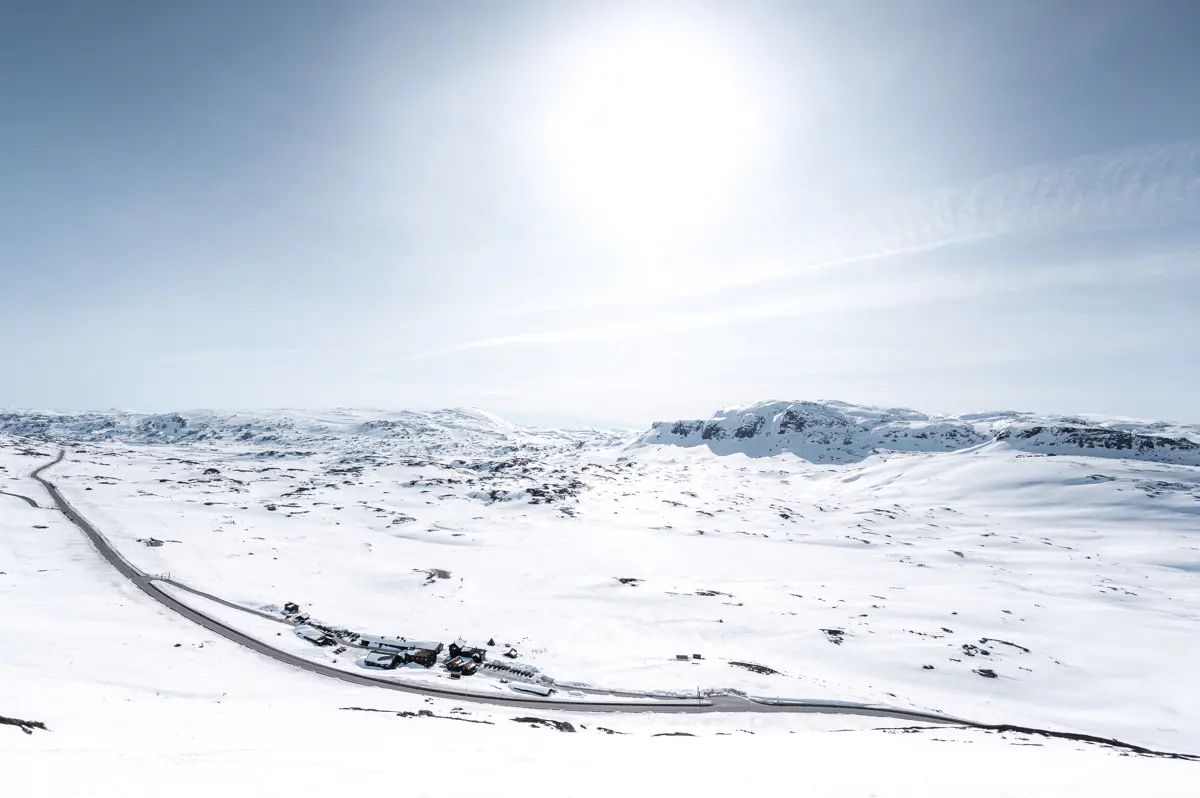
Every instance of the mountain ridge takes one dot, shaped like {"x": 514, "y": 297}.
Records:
{"x": 825, "y": 432}
{"x": 838, "y": 432}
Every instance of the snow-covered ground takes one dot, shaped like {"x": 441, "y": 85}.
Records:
{"x": 829, "y": 543}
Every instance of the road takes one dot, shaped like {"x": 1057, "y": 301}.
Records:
{"x": 264, "y": 615}
{"x": 706, "y": 704}
{"x": 25, "y": 499}
{"x": 721, "y": 703}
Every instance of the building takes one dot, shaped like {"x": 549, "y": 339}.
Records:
{"x": 422, "y": 652}
{"x": 462, "y": 664}
{"x": 459, "y": 649}
{"x": 399, "y": 644}
{"x": 532, "y": 689}
{"x": 313, "y": 635}
{"x": 422, "y": 656}
{"x": 384, "y": 660}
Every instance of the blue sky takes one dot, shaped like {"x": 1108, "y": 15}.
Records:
{"x": 601, "y": 212}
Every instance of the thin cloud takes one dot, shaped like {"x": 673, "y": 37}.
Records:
{"x": 930, "y": 287}
{"x": 1136, "y": 188}
{"x": 1141, "y": 187}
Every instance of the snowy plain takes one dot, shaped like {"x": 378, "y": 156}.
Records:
{"x": 600, "y": 556}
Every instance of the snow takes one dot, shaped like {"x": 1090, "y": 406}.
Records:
{"x": 838, "y": 432}
{"x": 847, "y": 572}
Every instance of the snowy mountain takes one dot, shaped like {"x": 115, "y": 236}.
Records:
{"x": 837, "y": 432}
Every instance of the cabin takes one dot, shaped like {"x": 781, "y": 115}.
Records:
{"x": 422, "y": 656}
{"x": 462, "y": 665}
{"x": 291, "y": 607}
{"x": 458, "y": 649}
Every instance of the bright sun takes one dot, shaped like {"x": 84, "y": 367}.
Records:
{"x": 655, "y": 128}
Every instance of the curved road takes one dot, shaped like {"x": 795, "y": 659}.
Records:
{"x": 25, "y": 499}
{"x": 716, "y": 703}
{"x": 730, "y": 703}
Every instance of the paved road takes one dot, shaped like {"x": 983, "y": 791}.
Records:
{"x": 25, "y": 499}
{"x": 264, "y": 615}
{"x": 718, "y": 703}
{"x": 721, "y": 703}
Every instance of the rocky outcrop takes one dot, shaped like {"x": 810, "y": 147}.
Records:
{"x": 838, "y": 432}
{"x": 815, "y": 431}
{"x": 1101, "y": 442}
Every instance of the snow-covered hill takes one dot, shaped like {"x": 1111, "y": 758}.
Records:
{"x": 819, "y": 432}
{"x": 837, "y": 432}
{"x": 816, "y": 550}
{"x": 460, "y": 430}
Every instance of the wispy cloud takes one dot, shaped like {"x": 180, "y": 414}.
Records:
{"x": 1135, "y": 188}
{"x": 839, "y": 298}
{"x": 1141, "y": 187}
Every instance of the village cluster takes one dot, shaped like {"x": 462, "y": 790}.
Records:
{"x": 388, "y": 653}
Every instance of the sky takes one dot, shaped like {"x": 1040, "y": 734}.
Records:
{"x": 606, "y": 213}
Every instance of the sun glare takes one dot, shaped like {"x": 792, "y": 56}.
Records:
{"x": 655, "y": 128}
